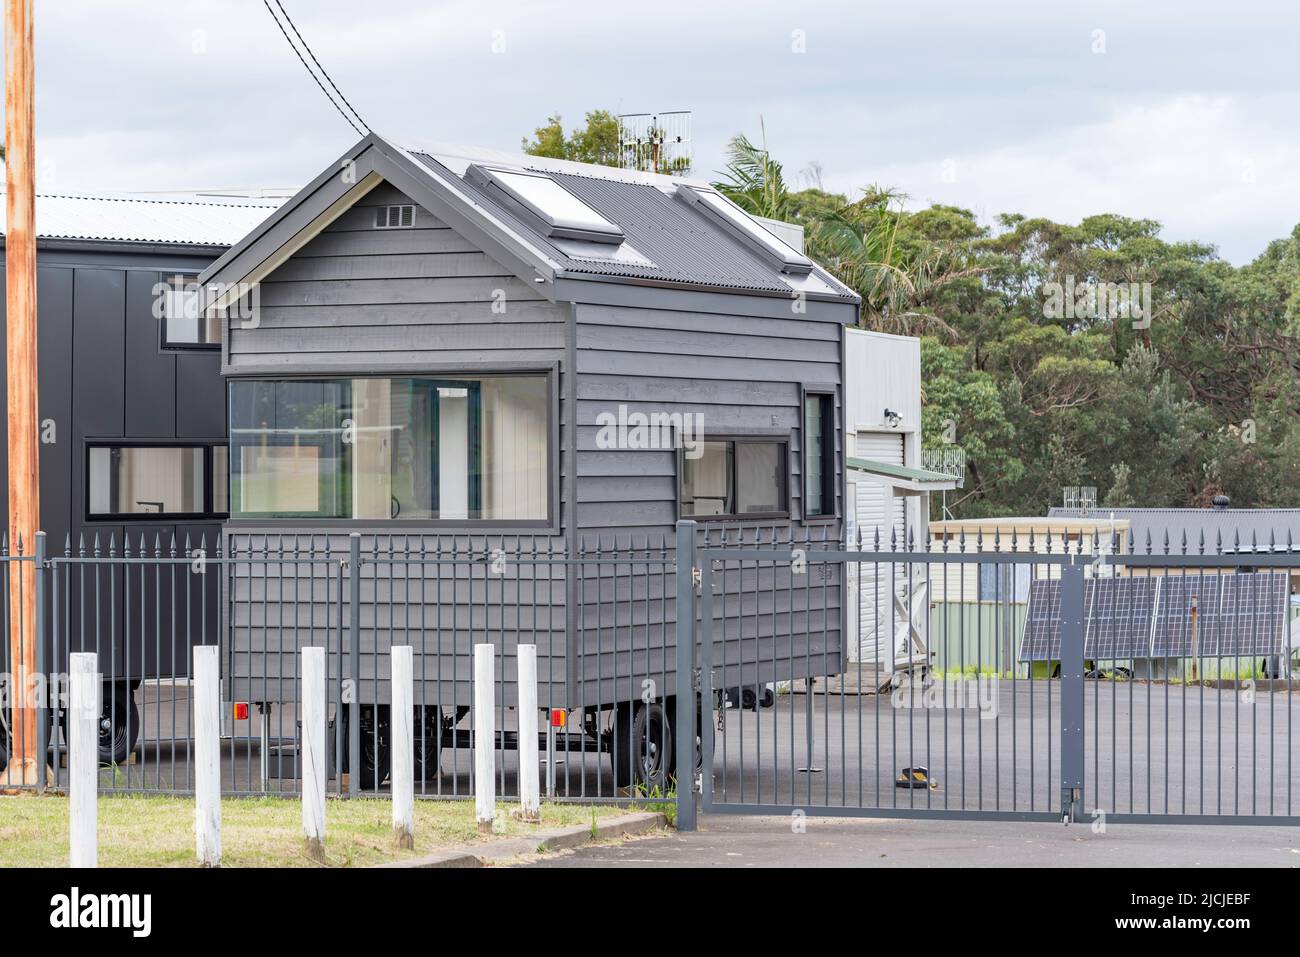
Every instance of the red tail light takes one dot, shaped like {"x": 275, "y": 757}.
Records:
{"x": 559, "y": 717}
{"x": 241, "y": 710}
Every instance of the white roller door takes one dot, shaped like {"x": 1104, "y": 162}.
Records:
{"x": 879, "y": 511}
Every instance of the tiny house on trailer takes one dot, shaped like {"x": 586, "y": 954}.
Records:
{"x": 132, "y": 411}
{"x": 456, "y": 345}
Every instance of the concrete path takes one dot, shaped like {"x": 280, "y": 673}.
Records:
{"x": 727, "y": 841}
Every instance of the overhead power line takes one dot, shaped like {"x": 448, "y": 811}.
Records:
{"x": 359, "y": 125}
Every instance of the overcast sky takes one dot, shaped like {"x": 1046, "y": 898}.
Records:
{"x": 1183, "y": 111}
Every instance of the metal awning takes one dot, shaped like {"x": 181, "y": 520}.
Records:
{"x": 903, "y": 476}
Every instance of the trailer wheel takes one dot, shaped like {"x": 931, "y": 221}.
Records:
{"x": 642, "y": 747}
{"x": 374, "y": 753}
{"x": 428, "y": 742}
{"x": 119, "y": 724}
{"x": 703, "y": 726}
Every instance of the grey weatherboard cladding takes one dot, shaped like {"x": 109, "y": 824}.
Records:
{"x": 358, "y": 300}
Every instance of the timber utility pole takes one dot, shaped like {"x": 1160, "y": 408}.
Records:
{"x": 20, "y": 335}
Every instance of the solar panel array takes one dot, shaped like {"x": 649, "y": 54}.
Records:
{"x": 1151, "y": 617}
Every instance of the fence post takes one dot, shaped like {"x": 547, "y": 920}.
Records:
{"x": 207, "y": 756}
{"x": 1072, "y": 759}
{"x": 314, "y": 758}
{"x": 484, "y": 738}
{"x": 529, "y": 798}
{"x": 402, "y": 770}
{"x": 83, "y": 760}
{"x": 43, "y": 704}
{"x": 354, "y": 663}
{"x": 688, "y": 712}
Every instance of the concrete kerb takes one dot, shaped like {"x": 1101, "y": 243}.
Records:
{"x": 551, "y": 839}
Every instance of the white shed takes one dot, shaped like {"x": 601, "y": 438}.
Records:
{"x": 887, "y": 490}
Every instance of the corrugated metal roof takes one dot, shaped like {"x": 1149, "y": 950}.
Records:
{"x": 134, "y": 219}
{"x": 1226, "y": 525}
{"x": 681, "y": 243}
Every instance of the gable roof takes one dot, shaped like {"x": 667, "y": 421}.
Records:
{"x": 666, "y": 241}
{"x": 134, "y": 219}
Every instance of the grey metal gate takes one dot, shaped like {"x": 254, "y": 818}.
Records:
{"x": 1026, "y": 680}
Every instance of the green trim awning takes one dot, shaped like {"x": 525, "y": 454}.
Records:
{"x": 903, "y": 476}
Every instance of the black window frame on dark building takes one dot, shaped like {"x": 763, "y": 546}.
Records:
{"x": 825, "y": 396}
{"x": 165, "y": 343}
{"x": 781, "y": 440}
{"x": 208, "y": 513}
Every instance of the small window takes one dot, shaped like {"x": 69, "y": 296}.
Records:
{"x": 562, "y": 215}
{"x": 819, "y": 454}
{"x": 735, "y": 478}
{"x": 394, "y": 217}
{"x": 767, "y": 244}
{"x": 221, "y": 479}
{"x": 184, "y": 325}
{"x": 1000, "y": 582}
{"x": 137, "y": 481}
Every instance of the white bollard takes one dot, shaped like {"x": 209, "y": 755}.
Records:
{"x": 314, "y": 757}
{"x": 207, "y": 756}
{"x": 402, "y": 773}
{"x": 485, "y": 773}
{"x": 529, "y": 798}
{"x": 83, "y": 761}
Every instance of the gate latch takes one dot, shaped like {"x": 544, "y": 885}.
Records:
{"x": 697, "y": 579}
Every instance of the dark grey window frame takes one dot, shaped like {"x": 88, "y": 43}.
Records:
{"x": 155, "y": 518}
{"x": 784, "y": 439}
{"x": 831, "y": 475}
{"x": 164, "y": 345}
{"x": 548, "y": 526}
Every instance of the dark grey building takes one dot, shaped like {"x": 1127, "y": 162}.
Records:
{"x": 444, "y": 343}
{"x": 132, "y": 412}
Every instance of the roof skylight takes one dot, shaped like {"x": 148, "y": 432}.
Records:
{"x": 767, "y": 244}
{"x": 562, "y": 214}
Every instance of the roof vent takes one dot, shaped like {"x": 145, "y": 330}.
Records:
{"x": 1221, "y": 502}
{"x": 394, "y": 217}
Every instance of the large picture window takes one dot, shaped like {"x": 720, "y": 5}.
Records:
{"x": 424, "y": 449}
{"x": 735, "y": 478}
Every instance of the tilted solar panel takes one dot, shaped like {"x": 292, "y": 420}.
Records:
{"x": 1253, "y": 615}
{"x": 1041, "y": 640}
{"x": 1118, "y": 618}
{"x": 1176, "y": 632}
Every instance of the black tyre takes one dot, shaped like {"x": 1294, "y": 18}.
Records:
{"x": 703, "y": 725}
{"x": 119, "y": 725}
{"x": 642, "y": 748}
{"x": 428, "y": 742}
{"x": 376, "y": 745}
